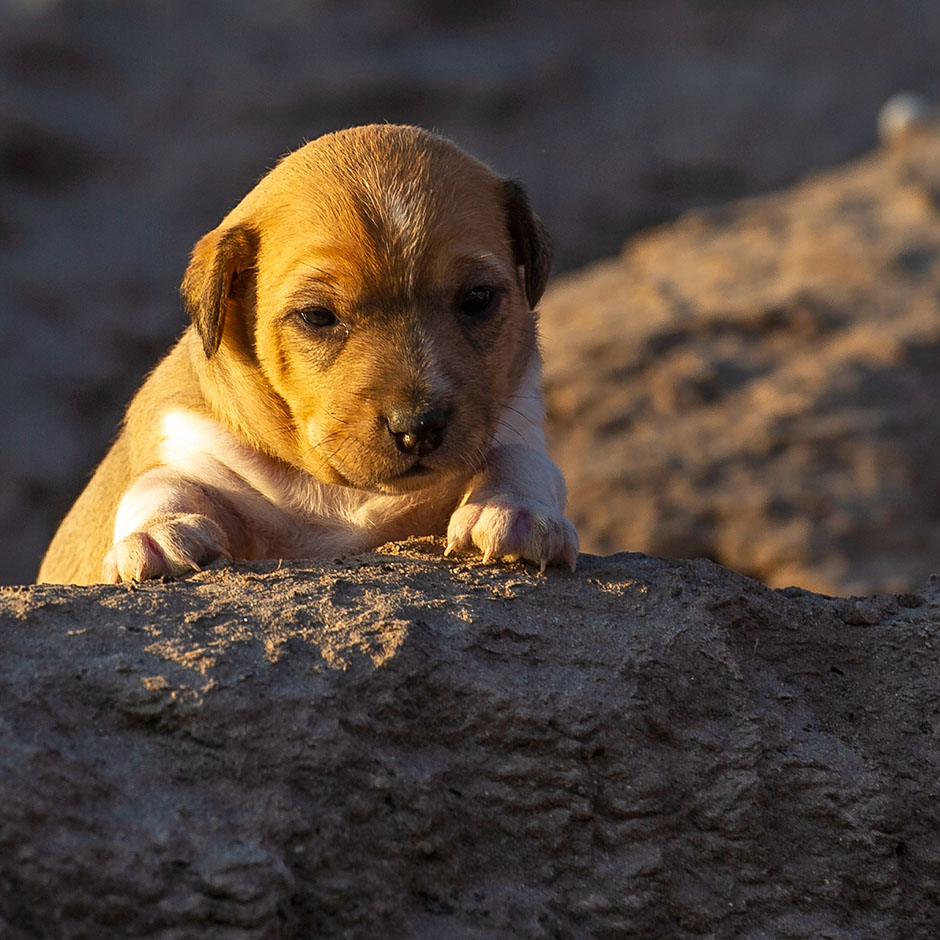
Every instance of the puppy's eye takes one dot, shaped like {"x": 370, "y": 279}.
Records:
{"x": 478, "y": 301}
{"x": 318, "y": 317}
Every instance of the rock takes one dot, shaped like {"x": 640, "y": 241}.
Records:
{"x": 400, "y": 745}
{"x": 906, "y": 113}
{"x": 758, "y": 384}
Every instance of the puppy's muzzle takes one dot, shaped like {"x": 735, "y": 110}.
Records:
{"x": 417, "y": 434}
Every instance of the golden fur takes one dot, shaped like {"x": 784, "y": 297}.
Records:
{"x": 361, "y": 366}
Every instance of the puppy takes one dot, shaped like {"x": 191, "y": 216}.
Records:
{"x": 361, "y": 366}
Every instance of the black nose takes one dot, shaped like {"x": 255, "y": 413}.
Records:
{"x": 417, "y": 434}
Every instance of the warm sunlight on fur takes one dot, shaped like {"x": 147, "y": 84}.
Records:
{"x": 362, "y": 366}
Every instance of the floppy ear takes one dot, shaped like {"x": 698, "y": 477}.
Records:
{"x": 530, "y": 243}
{"x": 207, "y": 285}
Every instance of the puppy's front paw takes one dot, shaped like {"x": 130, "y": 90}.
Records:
{"x": 170, "y": 545}
{"x": 503, "y": 529}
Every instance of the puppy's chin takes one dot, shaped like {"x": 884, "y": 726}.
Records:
{"x": 413, "y": 480}
{"x": 417, "y": 478}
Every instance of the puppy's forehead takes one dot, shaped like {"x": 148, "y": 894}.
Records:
{"x": 393, "y": 202}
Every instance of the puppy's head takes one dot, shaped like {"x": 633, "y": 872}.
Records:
{"x": 377, "y": 287}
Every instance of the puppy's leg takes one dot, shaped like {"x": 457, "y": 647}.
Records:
{"x": 514, "y": 508}
{"x": 169, "y": 525}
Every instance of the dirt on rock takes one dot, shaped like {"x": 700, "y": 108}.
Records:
{"x": 403, "y": 745}
{"x": 758, "y": 384}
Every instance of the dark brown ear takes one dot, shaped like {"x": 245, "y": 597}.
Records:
{"x": 207, "y": 285}
{"x": 530, "y": 243}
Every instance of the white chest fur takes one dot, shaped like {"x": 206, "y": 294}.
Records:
{"x": 288, "y": 512}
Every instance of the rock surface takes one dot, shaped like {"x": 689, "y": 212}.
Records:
{"x": 400, "y": 745}
{"x": 758, "y": 384}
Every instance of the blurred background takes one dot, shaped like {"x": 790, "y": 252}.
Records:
{"x": 127, "y": 130}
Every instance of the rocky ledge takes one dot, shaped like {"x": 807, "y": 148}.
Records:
{"x": 401, "y": 745}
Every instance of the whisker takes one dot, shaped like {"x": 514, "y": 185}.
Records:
{"x": 508, "y": 427}
{"x": 516, "y": 411}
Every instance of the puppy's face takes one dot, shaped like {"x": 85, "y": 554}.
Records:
{"x": 377, "y": 286}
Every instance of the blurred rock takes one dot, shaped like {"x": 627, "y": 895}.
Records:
{"x": 906, "y": 113}
{"x": 400, "y": 745}
{"x": 758, "y": 384}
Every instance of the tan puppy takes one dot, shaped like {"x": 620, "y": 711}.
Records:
{"x": 361, "y": 366}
